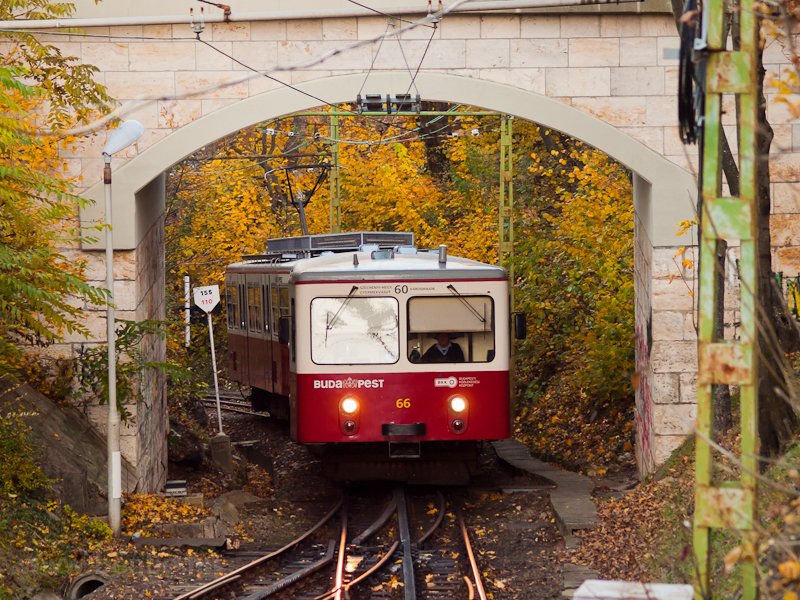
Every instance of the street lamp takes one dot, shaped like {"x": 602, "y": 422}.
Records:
{"x": 122, "y": 137}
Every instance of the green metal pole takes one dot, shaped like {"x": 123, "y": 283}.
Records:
{"x": 506, "y": 205}
{"x": 728, "y": 504}
{"x": 336, "y": 211}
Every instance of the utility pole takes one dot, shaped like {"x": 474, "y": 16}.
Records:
{"x": 730, "y": 504}
{"x": 506, "y": 205}
{"x": 333, "y": 174}
{"x": 122, "y": 137}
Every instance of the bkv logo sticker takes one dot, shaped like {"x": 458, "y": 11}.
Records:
{"x": 448, "y": 382}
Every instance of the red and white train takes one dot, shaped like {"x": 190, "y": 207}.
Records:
{"x": 335, "y": 333}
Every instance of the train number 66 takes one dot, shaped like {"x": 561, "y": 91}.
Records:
{"x": 403, "y": 403}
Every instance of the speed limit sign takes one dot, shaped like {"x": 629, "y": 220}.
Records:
{"x": 206, "y": 297}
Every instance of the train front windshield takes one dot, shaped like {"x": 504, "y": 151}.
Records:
{"x": 355, "y": 330}
{"x": 467, "y": 323}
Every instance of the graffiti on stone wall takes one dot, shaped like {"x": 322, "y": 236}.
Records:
{"x": 644, "y": 400}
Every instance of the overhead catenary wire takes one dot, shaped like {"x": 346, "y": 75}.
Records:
{"x": 283, "y": 83}
{"x": 260, "y": 160}
{"x": 43, "y": 26}
{"x": 421, "y": 60}
{"x": 383, "y": 14}
{"x": 374, "y": 58}
{"x": 136, "y": 103}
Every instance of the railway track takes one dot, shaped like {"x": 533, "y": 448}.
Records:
{"x": 228, "y": 403}
{"x": 370, "y": 545}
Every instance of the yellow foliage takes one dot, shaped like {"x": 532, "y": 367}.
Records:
{"x": 144, "y": 513}
{"x": 790, "y": 570}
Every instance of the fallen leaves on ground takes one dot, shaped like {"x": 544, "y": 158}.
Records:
{"x": 259, "y": 483}
{"x": 145, "y": 513}
{"x": 631, "y": 528}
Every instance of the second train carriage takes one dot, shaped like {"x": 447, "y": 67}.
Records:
{"x": 331, "y": 331}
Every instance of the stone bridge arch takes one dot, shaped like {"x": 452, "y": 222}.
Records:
{"x": 664, "y": 194}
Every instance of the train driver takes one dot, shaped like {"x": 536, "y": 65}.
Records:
{"x": 443, "y": 351}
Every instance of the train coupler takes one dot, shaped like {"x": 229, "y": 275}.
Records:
{"x": 405, "y": 450}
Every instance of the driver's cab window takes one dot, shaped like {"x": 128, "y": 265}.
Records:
{"x": 450, "y": 329}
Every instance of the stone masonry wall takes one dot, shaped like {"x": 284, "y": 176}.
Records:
{"x": 139, "y": 295}
{"x": 673, "y": 356}
{"x": 152, "y": 423}
{"x": 642, "y": 267}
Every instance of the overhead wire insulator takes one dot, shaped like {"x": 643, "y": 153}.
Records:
{"x": 199, "y": 26}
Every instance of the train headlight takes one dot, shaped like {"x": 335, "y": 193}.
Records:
{"x": 349, "y": 405}
{"x": 458, "y": 404}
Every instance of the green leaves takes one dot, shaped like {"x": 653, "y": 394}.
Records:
{"x": 131, "y": 362}
{"x": 42, "y": 294}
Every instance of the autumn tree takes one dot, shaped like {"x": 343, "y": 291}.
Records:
{"x": 42, "y": 92}
{"x": 575, "y": 264}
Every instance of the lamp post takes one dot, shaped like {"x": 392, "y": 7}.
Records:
{"x": 122, "y": 137}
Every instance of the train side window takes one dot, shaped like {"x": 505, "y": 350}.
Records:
{"x": 265, "y": 307}
{"x": 283, "y": 293}
{"x": 293, "y": 334}
{"x": 232, "y": 305}
{"x": 254, "y": 309}
{"x": 276, "y": 312}
{"x": 467, "y": 322}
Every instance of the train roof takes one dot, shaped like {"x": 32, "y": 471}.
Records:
{"x": 383, "y": 264}
{"x": 373, "y": 261}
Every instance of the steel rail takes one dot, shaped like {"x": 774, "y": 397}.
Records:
{"x": 260, "y": 594}
{"x": 436, "y": 523}
{"x": 263, "y": 415}
{"x": 236, "y": 574}
{"x": 389, "y": 553}
{"x": 346, "y": 586}
{"x": 379, "y": 522}
{"x": 339, "y": 577}
{"x": 364, "y": 535}
{"x": 476, "y": 573}
{"x": 470, "y": 588}
{"x": 228, "y": 402}
{"x": 409, "y": 583}
{"x": 223, "y": 394}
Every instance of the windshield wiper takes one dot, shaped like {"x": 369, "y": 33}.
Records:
{"x": 335, "y": 318}
{"x": 464, "y": 301}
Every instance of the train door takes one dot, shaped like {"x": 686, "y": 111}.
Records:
{"x": 237, "y": 363}
{"x": 258, "y": 350}
{"x": 265, "y": 302}
{"x": 279, "y": 305}
{"x": 275, "y": 313}
{"x": 292, "y": 350}
{"x": 283, "y": 299}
